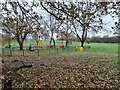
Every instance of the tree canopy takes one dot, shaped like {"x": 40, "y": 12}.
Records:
{"x": 84, "y": 16}
{"x": 20, "y": 20}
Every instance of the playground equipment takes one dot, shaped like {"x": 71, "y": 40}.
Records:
{"x": 42, "y": 45}
{"x": 31, "y": 48}
{"x": 81, "y": 49}
{"x": 51, "y": 46}
{"x": 62, "y": 46}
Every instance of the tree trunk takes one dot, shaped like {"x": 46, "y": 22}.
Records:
{"x": 62, "y": 39}
{"x": 20, "y": 40}
{"x": 37, "y": 45}
{"x": 21, "y": 46}
{"x": 54, "y": 42}
{"x": 52, "y": 39}
{"x": 82, "y": 44}
{"x": 67, "y": 39}
{"x": 84, "y": 35}
{"x": 66, "y": 43}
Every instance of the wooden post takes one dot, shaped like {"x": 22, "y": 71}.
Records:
{"x": 10, "y": 52}
{"x": 57, "y": 50}
{"x": 3, "y": 52}
{"x": 38, "y": 52}
{"x": 23, "y": 52}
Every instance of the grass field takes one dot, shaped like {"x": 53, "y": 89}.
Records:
{"x": 107, "y": 48}
{"x": 104, "y": 48}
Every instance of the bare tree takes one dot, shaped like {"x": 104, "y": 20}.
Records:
{"x": 87, "y": 15}
{"x": 40, "y": 32}
{"x": 53, "y": 25}
{"x": 19, "y": 20}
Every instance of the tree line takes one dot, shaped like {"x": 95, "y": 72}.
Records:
{"x": 115, "y": 39}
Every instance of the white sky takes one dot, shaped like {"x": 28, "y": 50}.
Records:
{"x": 107, "y": 19}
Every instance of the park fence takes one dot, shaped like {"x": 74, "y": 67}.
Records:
{"x": 37, "y": 52}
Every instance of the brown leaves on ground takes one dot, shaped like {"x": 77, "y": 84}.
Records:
{"x": 75, "y": 71}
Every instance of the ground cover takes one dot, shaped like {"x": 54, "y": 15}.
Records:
{"x": 95, "y": 67}
{"x": 75, "y": 70}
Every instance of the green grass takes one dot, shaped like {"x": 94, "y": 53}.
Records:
{"x": 99, "y": 48}
{"x": 107, "y": 48}
{"x": 42, "y": 51}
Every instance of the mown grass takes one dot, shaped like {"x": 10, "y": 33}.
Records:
{"x": 95, "y": 48}
{"x": 107, "y": 48}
